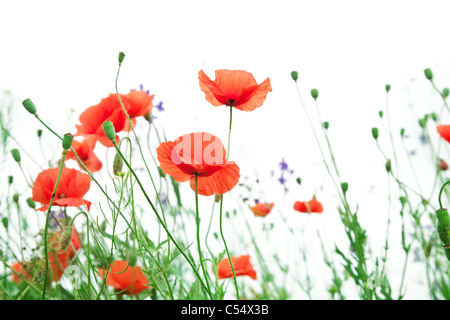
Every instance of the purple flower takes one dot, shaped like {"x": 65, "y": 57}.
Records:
{"x": 423, "y": 139}
{"x": 283, "y": 165}
{"x": 159, "y": 107}
{"x": 56, "y": 217}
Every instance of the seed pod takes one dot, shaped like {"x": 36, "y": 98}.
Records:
{"x": 16, "y": 155}
{"x": 121, "y": 57}
{"x": 388, "y": 87}
{"x": 67, "y": 141}
{"x": 388, "y": 165}
{"x": 117, "y": 164}
{"x": 344, "y": 186}
{"x": 16, "y": 197}
{"x": 109, "y": 129}
{"x": 65, "y": 238}
{"x": 217, "y": 197}
{"x": 314, "y": 93}
{"x": 375, "y": 133}
{"x": 428, "y": 74}
{"x": 29, "y": 106}
{"x": 294, "y": 75}
{"x": 443, "y": 229}
{"x": 445, "y": 92}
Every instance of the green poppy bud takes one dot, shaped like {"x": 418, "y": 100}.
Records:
{"x": 434, "y": 116}
{"x": 148, "y": 117}
{"x": 428, "y": 74}
{"x": 10, "y": 179}
{"x": 66, "y": 237}
{"x": 110, "y": 132}
{"x": 375, "y": 133}
{"x": 422, "y": 122}
{"x": 445, "y": 92}
{"x": 294, "y": 75}
{"x": 132, "y": 260}
{"x": 388, "y": 165}
{"x": 67, "y": 141}
{"x": 326, "y": 125}
{"x": 39, "y": 133}
{"x": 344, "y": 186}
{"x": 402, "y": 132}
{"x": 380, "y": 113}
{"x": 443, "y": 229}
{"x": 388, "y": 87}
{"x": 16, "y": 155}
{"x": 299, "y": 181}
{"x": 29, "y": 106}
{"x": 161, "y": 172}
{"x": 117, "y": 164}
{"x": 5, "y": 222}
{"x": 314, "y": 93}
{"x": 16, "y": 197}
{"x": 121, "y": 56}
{"x": 31, "y": 203}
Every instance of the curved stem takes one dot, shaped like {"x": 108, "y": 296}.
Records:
{"x": 197, "y": 220}
{"x": 61, "y": 166}
{"x": 440, "y": 193}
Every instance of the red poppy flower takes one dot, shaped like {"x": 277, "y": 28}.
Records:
{"x": 139, "y": 104}
{"x": 122, "y": 277}
{"x": 21, "y": 272}
{"x": 309, "y": 206}
{"x": 73, "y": 185}
{"x": 85, "y": 151}
{"x": 241, "y": 265}
{"x": 262, "y": 209}
{"x": 234, "y": 88}
{"x": 58, "y": 259}
{"x": 444, "y": 131}
{"x": 200, "y": 154}
{"x": 109, "y": 109}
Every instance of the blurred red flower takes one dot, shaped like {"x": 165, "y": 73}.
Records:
{"x": 85, "y": 151}
{"x": 136, "y": 103}
{"x": 309, "y": 206}
{"x": 241, "y": 265}
{"x": 22, "y": 272}
{"x": 200, "y": 154}
{"x": 73, "y": 185}
{"x": 444, "y": 131}
{"x": 262, "y": 209}
{"x": 234, "y": 88}
{"x": 58, "y": 258}
{"x": 122, "y": 276}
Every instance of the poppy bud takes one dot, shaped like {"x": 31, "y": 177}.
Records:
{"x": 65, "y": 238}
{"x": 294, "y": 75}
{"x": 314, "y": 93}
{"x": 16, "y": 197}
{"x": 443, "y": 166}
{"x": 5, "y": 222}
{"x": 375, "y": 133}
{"x": 39, "y": 133}
{"x": 31, "y": 203}
{"x": 428, "y": 74}
{"x": 29, "y": 106}
{"x": 148, "y": 117}
{"x": 445, "y": 92}
{"x": 344, "y": 186}
{"x": 10, "y": 179}
{"x": 388, "y": 87}
{"x": 67, "y": 141}
{"x": 443, "y": 229}
{"x": 299, "y": 181}
{"x": 380, "y": 113}
{"x": 326, "y": 125}
{"x": 110, "y": 132}
{"x": 217, "y": 197}
{"x": 402, "y": 132}
{"x": 117, "y": 164}
{"x": 161, "y": 172}
{"x": 423, "y": 122}
{"x": 121, "y": 56}
{"x": 434, "y": 116}
{"x": 388, "y": 165}
{"x": 132, "y": 260}
{"x": 16, "y": 155}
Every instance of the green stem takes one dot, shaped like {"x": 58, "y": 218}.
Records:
{"x": 61, "y": 166}
{"x": 197, "y": 220}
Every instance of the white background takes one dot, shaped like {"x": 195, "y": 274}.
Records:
{"x": 63, "y": 56}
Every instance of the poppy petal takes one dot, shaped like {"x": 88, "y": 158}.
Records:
{"x": 219, "y": 182}
{"x": 164, "y": 152}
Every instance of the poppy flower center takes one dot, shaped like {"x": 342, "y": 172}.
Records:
{"x": 231, "y": 102}
{"x": 62, "y": 196}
